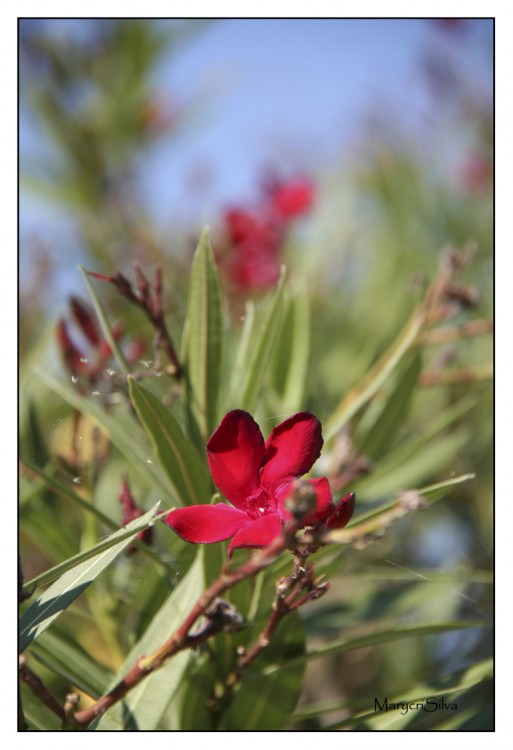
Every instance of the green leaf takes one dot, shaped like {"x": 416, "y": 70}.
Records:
{"x": 70, "y": 661}
{"x": 178, "y": 457}
{"x": 144, "y": 706}
{"x": 86, "y": 567}
{"x": 377, "y": 437}
{"x": 413, "y": 460}
{"x": 379, "y": 637}
{"x": 448, "y": 686}
{"x": 377, "y": 377}
{"x": 265, "y": 700}
{"x": 239, "y": 369}
{"x": 65, "y": 492}
{"x": 290, "y": 356}
{"x": 261, "y": 344}
{"x": 419, "y": 467}
{"x": 120, "y": 427}
{"x": 379, "y": 518}
{"x": 205, "y": 328}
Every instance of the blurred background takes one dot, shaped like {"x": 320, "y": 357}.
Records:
{"x": 352, "y": 151}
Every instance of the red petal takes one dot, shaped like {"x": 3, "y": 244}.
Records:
{"x": 202, "y": 524}
{"x": 324, "y": 501}
{"x": 292, "y": 449}
{"x": 257, "y": 533}
{"x": 236, "y": 452}
{"x": 342, "y": 512}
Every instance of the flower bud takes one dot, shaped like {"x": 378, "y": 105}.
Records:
{"x": 302, "y": 500}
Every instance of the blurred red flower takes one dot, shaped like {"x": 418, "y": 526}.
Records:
{"x": 253, "y": 256}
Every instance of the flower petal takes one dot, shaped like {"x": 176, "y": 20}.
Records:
{"x": 257, "y": 533}
{"x": 202, "y": 524}
{"x": 292, "y": 449}
{"x": 342, "y": 512}
{"x": 236, "y": 452}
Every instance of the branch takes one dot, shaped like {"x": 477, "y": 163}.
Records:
{"x": 181, "y": 639}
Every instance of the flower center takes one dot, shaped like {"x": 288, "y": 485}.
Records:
{"x": 260, "y": 503}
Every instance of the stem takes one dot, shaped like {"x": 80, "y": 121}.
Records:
{"x": 455, "y": 377}
{"x": 181, "y": 639}
{"x": 37, "y": 687}
{"x": 466, "y": 330}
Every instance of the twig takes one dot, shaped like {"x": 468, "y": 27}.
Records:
{"x": 181, "y": 639}
{"x": 38, "y": 688}
{"x": 149, "y": 300}
{"x": 454, "y": 377}
{"x": 455, "y": 333}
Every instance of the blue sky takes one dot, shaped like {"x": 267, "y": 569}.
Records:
{"x": 279, "y": 91}
{"x": 284, "y": 92}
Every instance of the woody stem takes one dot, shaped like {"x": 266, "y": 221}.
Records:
{"x": 181, "y": 639}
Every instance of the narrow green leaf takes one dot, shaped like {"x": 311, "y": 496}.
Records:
{"x": 70, "y": 661}
{"x": 239, "y": 369}
{"x": 377, "y": 377}
{"x": 267, "y": 698}
{"x": 290, "y": 356}
{"x": 67, "y": 493}
{"x": 261, "y": 346}
{"x": 144, "y": 706}
{"x": 448, "y": 685}
{"x": 419, "y": 467}
{"x": 377, "y": 437}
{"x": 445, "y": 685}
{"x": 178, "y": 457}
{"x": 120, "y": 427}
{"x": 86, "y": 567}
{"x": 407, "y": 464}
{"x": 205, "y": 328}
{"x": 104, "y": 322}
{"x": 379, "y": 637}
{"x": 377, "y": 519}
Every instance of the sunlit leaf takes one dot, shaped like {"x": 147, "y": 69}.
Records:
{"x": 289, "y": 361}
{"x": 260, "y": 347}
{"x": 205, "y": 328}
{"x": 143, "y": 707}
{"x": 353, "y": 401}
{"x": 86, "y": 567}
{"x": 377, "y": 437}
{"x": 177, "y": 456}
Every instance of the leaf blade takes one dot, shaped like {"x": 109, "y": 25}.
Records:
{"x": 204, "y": 336}
{"x": 52, "y": 602}
{"x": 178, "y": 457}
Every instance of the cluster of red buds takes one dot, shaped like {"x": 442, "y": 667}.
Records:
{"x": 90, "y": 366}
{"x": 255, "y": 239}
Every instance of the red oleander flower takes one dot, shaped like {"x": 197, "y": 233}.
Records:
{"x": 257, "y": 477}
{"x": 292, "y": 198}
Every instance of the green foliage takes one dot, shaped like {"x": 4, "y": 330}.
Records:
{"x": 397, "y": 372}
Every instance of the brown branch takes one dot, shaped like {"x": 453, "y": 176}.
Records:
{"x": 455, "y": 333}
{"x": 149, "y": 300}
{"x": 38, "y": 688}
{"x": 181, "y": 639}
{"x": 455, "y": 377}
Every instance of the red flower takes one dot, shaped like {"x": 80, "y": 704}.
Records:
{"x": 257, "y": 477}
{"x": 291, "y": 199}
